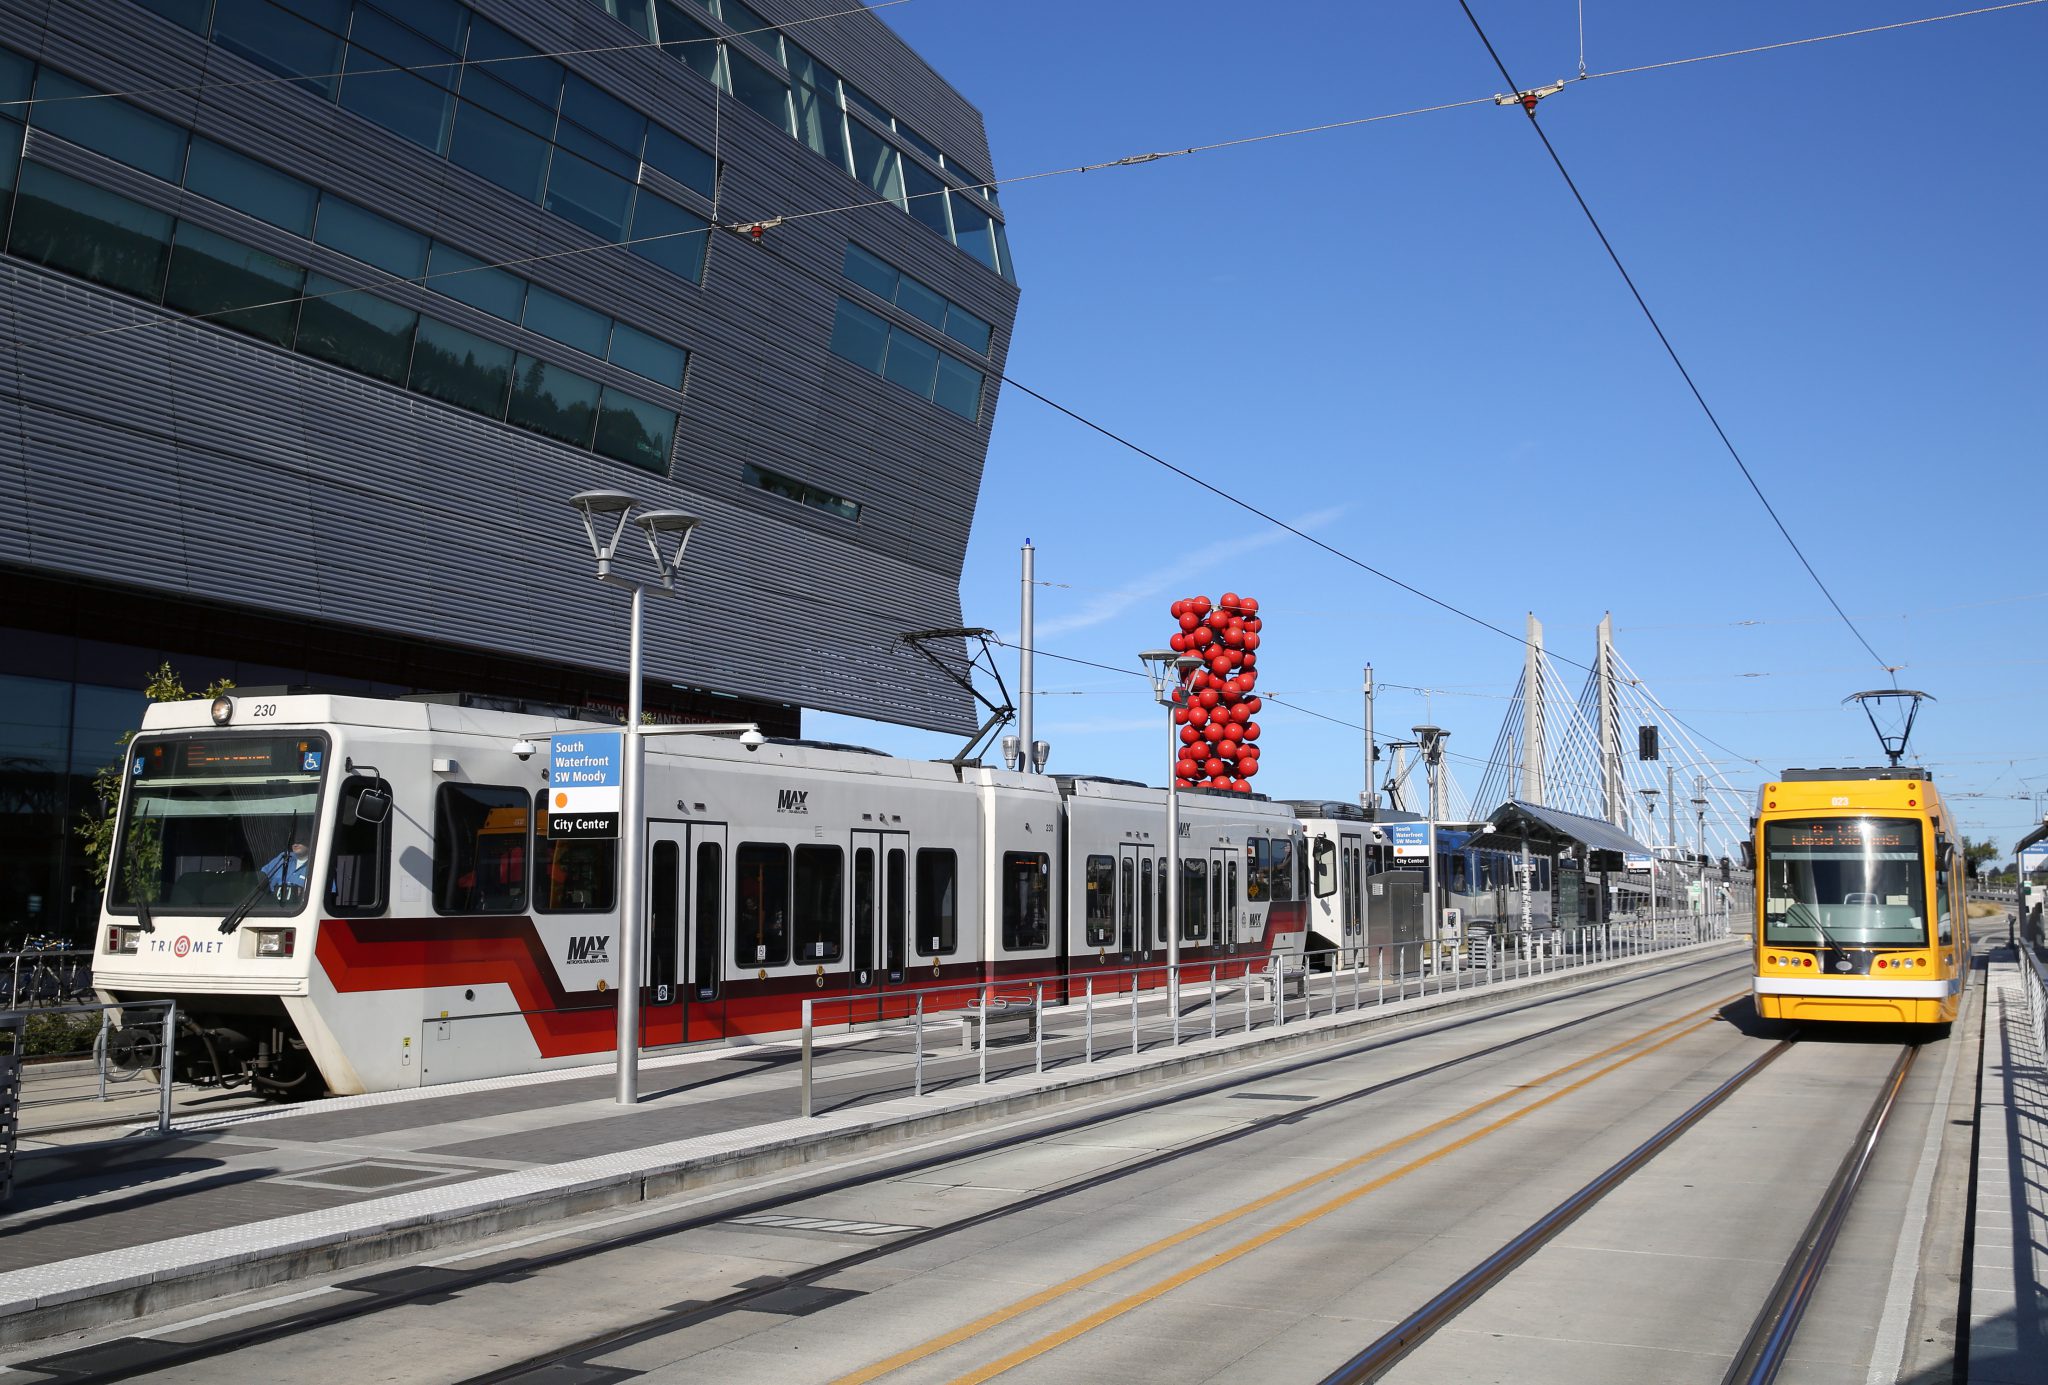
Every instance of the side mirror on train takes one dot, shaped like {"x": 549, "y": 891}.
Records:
{"x": 372, "y": 805}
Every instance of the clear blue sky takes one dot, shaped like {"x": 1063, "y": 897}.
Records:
{"x": 1405, "y": 338}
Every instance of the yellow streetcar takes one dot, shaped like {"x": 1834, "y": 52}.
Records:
{"x": 1861, "y": 912}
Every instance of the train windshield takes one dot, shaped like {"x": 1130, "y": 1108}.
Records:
{"x": 219, "y": 825}
{"x": 1845, "y": 882}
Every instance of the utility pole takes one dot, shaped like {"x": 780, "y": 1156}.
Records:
{"x": 1369, "y": 796}
{"x": 1027, "y": 691}
{"x": 1532, "y": 713}
{"x": 1614, "y": 804}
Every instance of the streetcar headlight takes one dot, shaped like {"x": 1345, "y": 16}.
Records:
{"x": 275, "y": 942}
{"x": 223, "y": 710}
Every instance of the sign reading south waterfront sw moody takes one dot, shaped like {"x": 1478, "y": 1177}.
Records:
{"x": 584, "y": 784}
{"x": 1408, "y": 839}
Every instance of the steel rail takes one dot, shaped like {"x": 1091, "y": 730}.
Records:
{"x": 163, "y": 1354}
{"x": 1412, "y": 1331}
{"x": 1763, "y": 1351}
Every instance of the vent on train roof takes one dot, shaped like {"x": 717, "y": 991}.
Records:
{"x": 827, "y": 745}
{"x": 1796, "y": 776}
{"x": 1067, "y": 781}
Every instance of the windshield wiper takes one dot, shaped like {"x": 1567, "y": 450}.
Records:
{"x": 142, "y": 914}
{"x": 234, "y": 917}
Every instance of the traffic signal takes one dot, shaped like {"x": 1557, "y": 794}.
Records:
{"x": 1646, "y": 742}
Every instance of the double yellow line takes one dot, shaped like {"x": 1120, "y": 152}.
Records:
{"x": 996, "y": 1318}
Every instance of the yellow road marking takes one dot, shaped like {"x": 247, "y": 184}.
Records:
{"x": 997, "y": 1317}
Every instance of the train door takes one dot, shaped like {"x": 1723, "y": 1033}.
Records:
{"x": 880, "y": 865}
{"x": 686, "y": 893}
{"x": 1350, "y": 892}
{"x": 1128, "y": 928}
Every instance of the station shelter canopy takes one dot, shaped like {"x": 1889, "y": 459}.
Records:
{"x": 1555, "y": 827}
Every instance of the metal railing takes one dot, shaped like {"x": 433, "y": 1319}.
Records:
{"x": 65, "y": 1071}
{"x": 1112, "y": 1012}
{"x": 2035, "y": 979}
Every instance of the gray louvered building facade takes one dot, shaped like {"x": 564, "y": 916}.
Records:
{"x": 316, "y": 312}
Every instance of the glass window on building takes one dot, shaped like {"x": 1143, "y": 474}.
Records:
{"x": 756, "y": 87}
{"x": 634, "y": 431}
{"x": 553, "y": 402}
{"x": 860, "y": 336}
{"x": 875, "y": 161}
{"x": 231, "y": 285}
{"x": 370, "y": 238}
{"x": 912, "y": 363}
{"x": 669, "y": 236}
{"x": 461, "y": 368}
{"x": 927, "y": 198}
{"x": 87, "y": 231}
{"x": 689, "y": 42}
{"x": 81, "y": 114}
{"x": 971, "y": 229}
{"x": 214, "y": 171}
{"x": 293, "y": 38}
{"x": 569, "y": 323}
{"x": 958, "y": 389}
{"x": 357, "y": 330}
{"x": 648, "y": 357}
{"x": 402, "y": 80}
{"x": 466, "y": 279}
{"x": 680, "y": 160}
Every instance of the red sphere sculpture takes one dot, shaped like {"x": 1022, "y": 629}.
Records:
{"x": 1217, "y": 734}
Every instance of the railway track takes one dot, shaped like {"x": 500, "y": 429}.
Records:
{"x": 132, "y": 1357}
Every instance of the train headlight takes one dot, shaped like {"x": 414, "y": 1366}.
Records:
{"x": 223, "y": 710}
{"x": 275, "y": 942}
{"x": 121, "y": 939}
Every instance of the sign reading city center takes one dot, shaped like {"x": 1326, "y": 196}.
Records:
{"x": 585, "y": 789}
{"x": 1409, "y": 839}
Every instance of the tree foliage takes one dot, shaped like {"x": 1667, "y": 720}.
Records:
{"x": 1976, "y": 853}
{"x": 96, "y": 823}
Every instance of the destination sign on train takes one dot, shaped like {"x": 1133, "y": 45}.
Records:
{"x": 1853, "y": 833}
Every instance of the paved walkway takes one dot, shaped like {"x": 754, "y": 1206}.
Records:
{"x": 2009, "y": 1262}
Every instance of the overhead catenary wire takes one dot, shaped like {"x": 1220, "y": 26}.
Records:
{"x": 1529, "y": 106}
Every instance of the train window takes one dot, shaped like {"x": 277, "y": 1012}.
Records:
{"x": 1127, "y": 902}
{"x": 1027, "y": 900}
{"x": 708, "y": 902}
{"x": 664, "y": 912}
{"x": 1278, "y": 859}
{"x": 1145, "y": 904}
{"x": 480, "y": 845}
{"x": 1326, "y": 867}
{"x": 1943, "y": 919}
{"x": 1216, "y": 899}
{"x": 938, "y": 902}
{"x": 864, "y": 910}
{"x": 573, "y": 875}
{"x": 1101, "y": 887}
{"x": 1194, "y": 888}
{"x": 1457, "y": 873}
{"x": 760, "y": 928}
{"x": 1255, "y": 868}
{"x": 359, "y": 882}
{"x": 893, "y": 916}
{"x": 819, "y": 912}
{"x": 1231, "y": 936}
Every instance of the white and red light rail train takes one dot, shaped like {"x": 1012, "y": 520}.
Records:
{"x": 353, "y": 894}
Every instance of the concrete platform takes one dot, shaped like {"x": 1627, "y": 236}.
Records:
{"x": 2008, "y": 1310}
{"x": 102, "y": 1232}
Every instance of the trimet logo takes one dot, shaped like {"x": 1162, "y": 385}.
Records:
{"x": 793, "y": 801}
{"x": 594, "y": 947}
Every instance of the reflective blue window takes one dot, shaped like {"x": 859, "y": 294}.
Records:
{"x": 537, "y": 79}
{"x": 856, "y": 97}
{"x": 1008, "y": 270}
{"x": 927, "y": 198}
{"x": 552, "y": 401}
{"x": 294, "y": 38}
{"x": 637, "y": 15}
{"x": 371, "y": 238}
{"x": 669, "y": 236}
{"x": 911, "y": 363}
{"x": 633, "y": 430}
{"x": 875, "y": 161}
{"x": 689, "y": 42}
{"x": 572, "y": 324}
{"x": 466, "y": 279}
{"x": 874, "y": 275}
{"x": 648, "y": 357}
{"x": 514, "y": 158}
{"x": 418, "y": 105}
{"x": 261, "y": 191}
{"x": 602, "y": 129}
{"x": 79, "y": 113}
{"x": 755, "y": 86}
{"x": 967, "y": 329}
{"x": 919, "y": 143}
{"x": 599, "y": 201}
{"x": 87, "y": 231}
{"x": 680, "y": 160}
{"x": 921, "y": 303}
{"x": 971, "y": 230}
{"x": 959, "y": 388}
{"x": 860, "y": 336}
{"x": 356, "y": 330}
{"x": 232, "y": 285}
{"x": 445, "y": 22}
{"x": 461, "y": 368}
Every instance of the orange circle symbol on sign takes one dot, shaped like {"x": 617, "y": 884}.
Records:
{"x": 561, "y": 800}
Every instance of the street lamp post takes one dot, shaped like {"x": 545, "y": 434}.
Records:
{"x": 1170, "y": 672}
{"x": 1650, "y": 808}
{"x": 613, "y": 509}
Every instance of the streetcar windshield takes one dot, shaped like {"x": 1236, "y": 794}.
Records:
{"x": 1845, "y": 881}
{"x": 219, "y": 823}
